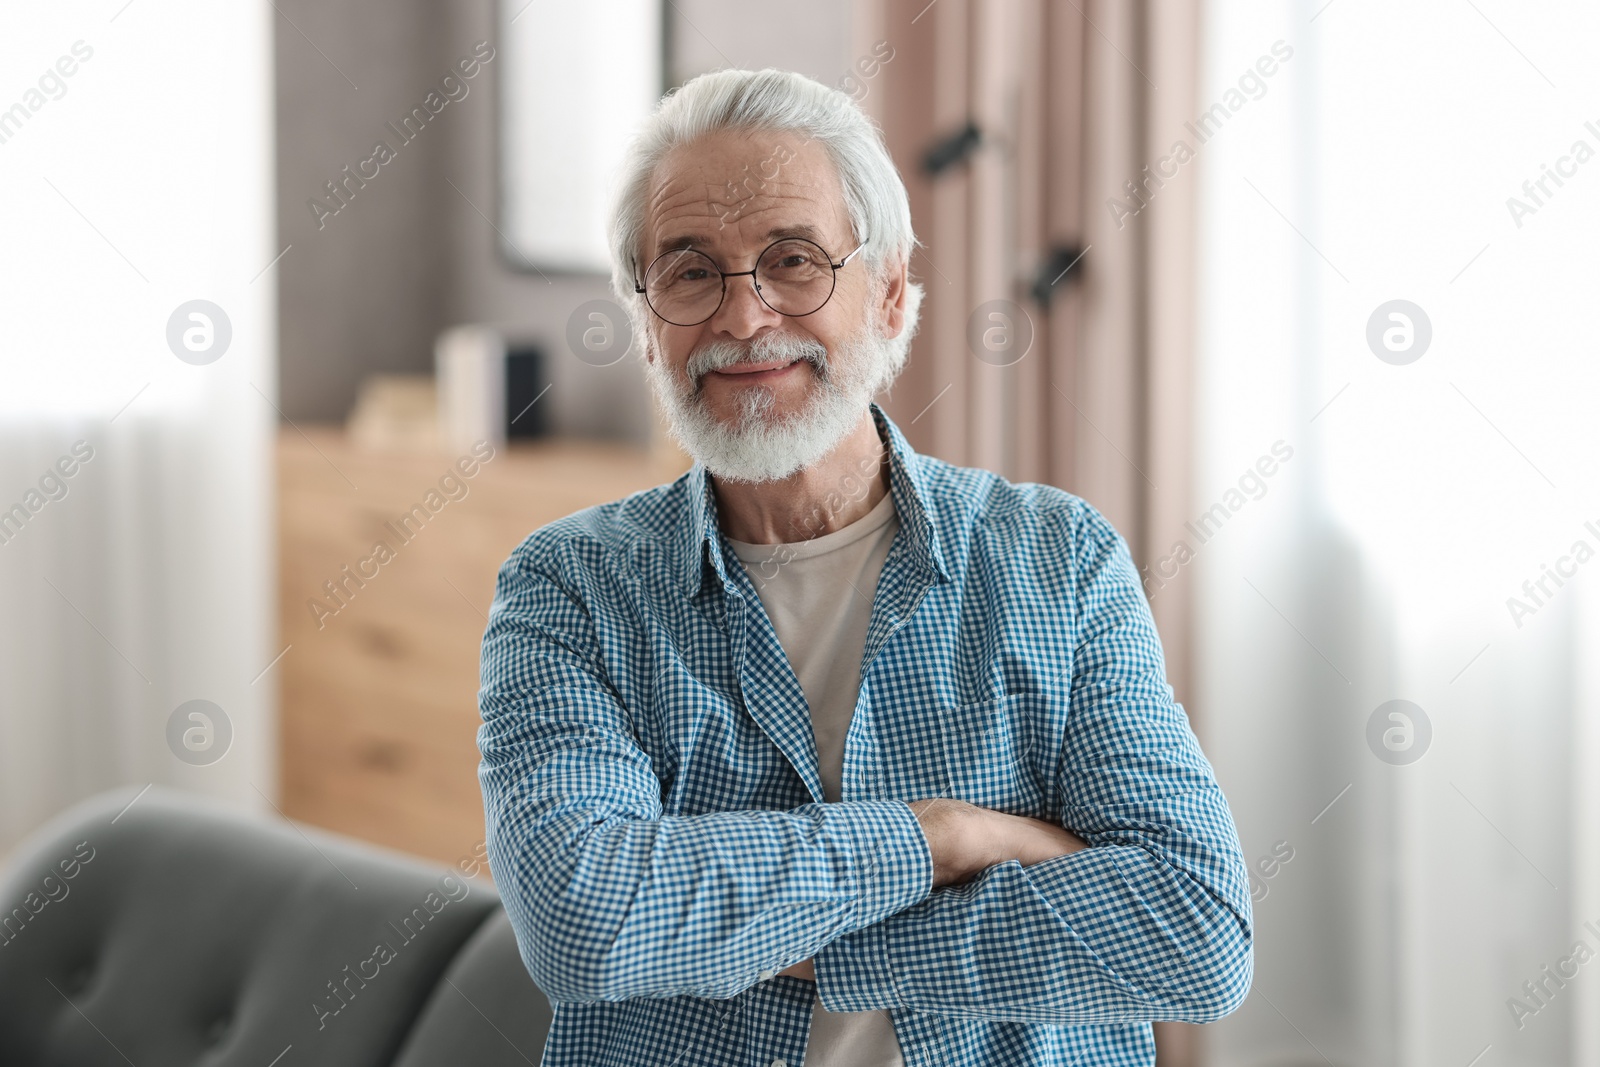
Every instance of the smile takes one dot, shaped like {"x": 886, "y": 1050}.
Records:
{"x": 751, "y": 373}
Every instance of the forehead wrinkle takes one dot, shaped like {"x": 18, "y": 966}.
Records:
{"x": 686, "y": 219}
{"x": 755, "y": 224}
{"x": 692, "y": 194}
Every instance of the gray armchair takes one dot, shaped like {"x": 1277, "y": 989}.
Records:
{"x": 178, "y": 933}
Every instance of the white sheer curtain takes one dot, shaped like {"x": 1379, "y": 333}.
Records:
{"x": 136, "y": 172}
{"x": 1377, "y": 562}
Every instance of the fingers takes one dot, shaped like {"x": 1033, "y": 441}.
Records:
{"x": 1043, "y": 840}
{"x": 965, "y": 839}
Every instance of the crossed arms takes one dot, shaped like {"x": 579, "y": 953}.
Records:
{"x": 964, "y": 839}
{"x": 940, "y": 907}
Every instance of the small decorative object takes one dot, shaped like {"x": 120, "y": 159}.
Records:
{"x": 489, "y": 389}
{"x": 395, "y": 413}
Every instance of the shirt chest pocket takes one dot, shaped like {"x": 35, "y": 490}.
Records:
{"x": 1000, "y": 753}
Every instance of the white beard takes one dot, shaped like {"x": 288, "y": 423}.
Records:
{"x": 762, "y": 446}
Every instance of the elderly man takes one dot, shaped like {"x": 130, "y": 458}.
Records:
{"x": 830, "y": 753}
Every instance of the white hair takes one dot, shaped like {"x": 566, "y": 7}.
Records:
{"x": 772, "y": 101}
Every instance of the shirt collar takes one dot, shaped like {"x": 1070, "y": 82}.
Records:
{"x": 907, "y": 481}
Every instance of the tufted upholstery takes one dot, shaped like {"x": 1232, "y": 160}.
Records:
{"x": 180, "y": 934}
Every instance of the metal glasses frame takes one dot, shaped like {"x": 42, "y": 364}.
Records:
{"x": 751, "y": 273}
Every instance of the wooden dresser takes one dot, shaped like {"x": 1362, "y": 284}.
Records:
{"x": 378, "y": 688}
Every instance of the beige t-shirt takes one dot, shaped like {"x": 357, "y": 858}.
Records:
{"x": 818, "y": 594}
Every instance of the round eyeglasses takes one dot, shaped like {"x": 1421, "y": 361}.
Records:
{"x": 793, "y": 277}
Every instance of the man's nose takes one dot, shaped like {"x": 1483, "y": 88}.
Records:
{"x": 743, "y": 313}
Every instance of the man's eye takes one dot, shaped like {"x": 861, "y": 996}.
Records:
{"x": 694, "y": 274}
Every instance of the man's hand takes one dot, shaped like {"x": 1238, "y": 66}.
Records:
{"x": 964, "y": 839}
{"x": 1037, "y": 840}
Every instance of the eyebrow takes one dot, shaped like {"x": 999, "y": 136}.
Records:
{"x": 777, "y": 233}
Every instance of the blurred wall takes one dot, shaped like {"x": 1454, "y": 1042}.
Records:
{"x": 365, "y": 291}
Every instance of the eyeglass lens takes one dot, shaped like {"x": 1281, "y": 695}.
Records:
{"x": 793, "y": 277}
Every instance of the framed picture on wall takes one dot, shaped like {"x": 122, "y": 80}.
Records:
{"x": 575, "y": 81}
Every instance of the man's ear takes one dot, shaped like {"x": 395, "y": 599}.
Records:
{"x": 891, "y": 309}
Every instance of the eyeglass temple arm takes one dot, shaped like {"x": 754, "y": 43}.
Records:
{"x": 847, "y": 257}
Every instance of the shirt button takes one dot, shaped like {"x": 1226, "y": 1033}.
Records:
{"x": 780, "y": 1062}
{"x": 767, "y": 976}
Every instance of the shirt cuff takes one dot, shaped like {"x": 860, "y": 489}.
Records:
{"x": 852, "y": 971}
{"x": 894, "y": 866}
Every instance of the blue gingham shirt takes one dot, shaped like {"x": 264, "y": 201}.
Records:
{"x": 656, "y": 823}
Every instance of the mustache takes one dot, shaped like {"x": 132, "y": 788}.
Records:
{"x": 720, "y": 354}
